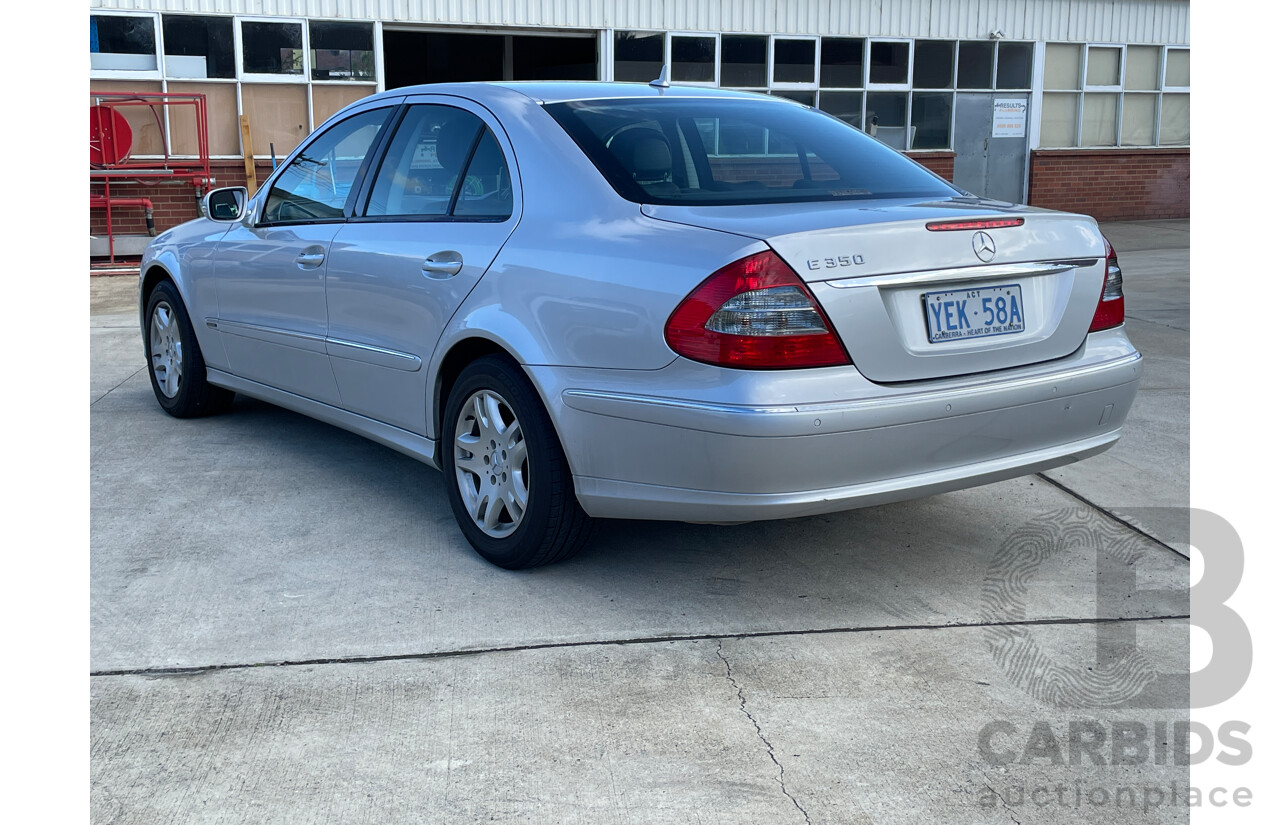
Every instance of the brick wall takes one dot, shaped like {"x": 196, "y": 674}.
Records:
{"x": 942, "y": 164}
{"x": 1113, "y": 184}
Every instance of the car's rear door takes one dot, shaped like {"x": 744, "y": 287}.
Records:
{"x": 431, "y": 218}
{"x": 269, "y": 269}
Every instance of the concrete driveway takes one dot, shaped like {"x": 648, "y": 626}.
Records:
{"x": 288, "y": 627}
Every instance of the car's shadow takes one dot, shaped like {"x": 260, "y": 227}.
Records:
{"x": 288, "y": 539}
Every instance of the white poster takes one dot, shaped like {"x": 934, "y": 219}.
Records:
{"x": 1010, "y": 118}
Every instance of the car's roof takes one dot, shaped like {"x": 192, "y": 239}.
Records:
{"x": 558, "y": 91}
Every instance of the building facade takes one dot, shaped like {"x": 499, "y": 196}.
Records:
{"x": 1071, "y": 104}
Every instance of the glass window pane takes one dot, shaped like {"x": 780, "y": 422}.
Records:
{"x": 1177, "y": 68}
{"x": 1058, "y": 120}
{"x": 1013, "y": 66}
{"x": 793, "y": 60}
{"x": 486, "y": 189}
{"x": 342, "y": 51}
{"x": 934, "y": 59}
{"x": 1104, "y": 66}
{"x": 223, "y": 119}
{"x": 1062, "y": 66}
{"x": 638, "y": 56}
{"x": 744, "y": 61}
{"x": 277, "y": 114}
{"x": 889, "y": 62}
{"x": 693, "y": 59}
{"x": 1139, "y": 120}
{"x": 975, "y": 65}
{"x": 1175, "y": 120}
{"x": 316, "y": 184}
{"x": 422, "y": 165}
{"x": 1098, "y": 127}
{"x": 845, "y": 105}
{"x": 930, "y": 120}
{"x": 198, "y": 47}
{"x": 887, "y": 118}
{"x": 120, "y": 43}
{"x": 1142, "y": 68}
{"x": 842, "y": 62}
{"x": 271, "y": 48}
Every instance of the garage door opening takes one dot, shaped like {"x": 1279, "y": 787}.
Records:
{"x": 413, "y": 57}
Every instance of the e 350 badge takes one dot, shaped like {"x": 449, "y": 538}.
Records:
{"x": 836, "y": 262}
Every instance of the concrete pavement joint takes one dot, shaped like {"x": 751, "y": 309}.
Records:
{"x": 643, "y": 640}
{"x": 742, "y": 706}
{"x": 1104, "y": 511}
{"x": 117, "y": 386}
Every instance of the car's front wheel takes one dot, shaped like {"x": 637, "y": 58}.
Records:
{"x": 174, "y": 359}
{"x": 508, "y": 482}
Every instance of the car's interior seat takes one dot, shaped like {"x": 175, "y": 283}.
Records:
{"x": 646, "y": 156}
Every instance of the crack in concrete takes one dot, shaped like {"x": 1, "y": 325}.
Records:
{"x": 196, "y": 670}
{"x": 742, "y": 706}
{"x": 1000, "y": 796}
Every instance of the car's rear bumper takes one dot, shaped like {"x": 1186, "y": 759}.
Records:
{"x": 699, "y": 446}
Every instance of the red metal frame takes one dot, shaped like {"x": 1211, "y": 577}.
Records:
{"x": 152, "y": 170}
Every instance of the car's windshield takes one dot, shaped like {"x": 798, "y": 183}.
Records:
{"x": 708, "y": 151}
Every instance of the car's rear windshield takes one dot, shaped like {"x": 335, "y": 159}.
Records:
{"x": 710, "y": 151}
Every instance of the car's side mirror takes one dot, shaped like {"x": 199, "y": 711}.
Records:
{"x": 226, "y": 204}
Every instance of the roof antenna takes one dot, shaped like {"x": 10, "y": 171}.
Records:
{"x": 663, "y": 82}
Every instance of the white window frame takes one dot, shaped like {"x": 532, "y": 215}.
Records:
{"x": 134, "y": 74}
{"x": 377, "y": 71}
{"x": 263, "y": 77}
{"x": 810, "y": 86}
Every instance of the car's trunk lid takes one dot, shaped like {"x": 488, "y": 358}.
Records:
{"x": 911, "y": 303}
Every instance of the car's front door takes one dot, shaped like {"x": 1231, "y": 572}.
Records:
{"x": 430, "y": 220}
{"x": 270, "y": 268}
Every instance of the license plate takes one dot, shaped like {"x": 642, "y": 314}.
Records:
{"x": 974, "y": 313}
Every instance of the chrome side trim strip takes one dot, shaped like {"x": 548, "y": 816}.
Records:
{"x": 369, "y": 354}
{"x": 964, "y": 273}
{"x": 287, "y": 338}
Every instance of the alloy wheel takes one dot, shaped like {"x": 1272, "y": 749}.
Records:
{"x": 491, "y": 463}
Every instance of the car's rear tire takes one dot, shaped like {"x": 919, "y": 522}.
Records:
{"x": 174, "y": 360}
{"x": 507, "y": 478}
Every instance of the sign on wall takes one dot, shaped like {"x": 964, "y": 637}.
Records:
{"x": 1010, "y": 118}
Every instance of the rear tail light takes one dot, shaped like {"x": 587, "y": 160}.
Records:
{"x": 1110, "y": 311}
{"x": 755, "y": 313}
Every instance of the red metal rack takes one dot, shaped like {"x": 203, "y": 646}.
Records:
{"x": 110, "y": 143}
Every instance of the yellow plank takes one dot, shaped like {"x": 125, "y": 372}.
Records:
{"x": 250, "y": 170}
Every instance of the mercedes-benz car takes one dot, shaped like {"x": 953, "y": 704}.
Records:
{"x": 595, "y": 300}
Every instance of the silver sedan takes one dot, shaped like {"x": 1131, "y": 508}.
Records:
{"x": 588, "y": 301}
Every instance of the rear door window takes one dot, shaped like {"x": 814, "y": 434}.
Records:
{"x": 442, "y": 161}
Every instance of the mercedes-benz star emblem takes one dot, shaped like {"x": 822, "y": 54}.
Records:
{"x": 983, "y": 246}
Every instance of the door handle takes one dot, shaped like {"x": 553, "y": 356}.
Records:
{"x": 443, "y": 264}
{"x": 310, "y": 259}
